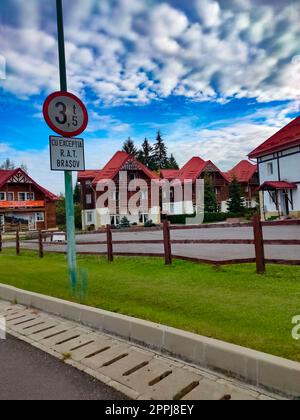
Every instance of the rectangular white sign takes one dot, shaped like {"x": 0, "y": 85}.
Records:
{"x": 67, "y": 154}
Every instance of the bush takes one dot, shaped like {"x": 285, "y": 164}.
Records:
{"x": 124, "y": 224}
{"x": 179, "y": 219}
{"x": 212, "y": 217}
{"x": 149, "y": 224}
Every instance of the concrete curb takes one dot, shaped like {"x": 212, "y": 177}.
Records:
{"x": 259, "y": 369}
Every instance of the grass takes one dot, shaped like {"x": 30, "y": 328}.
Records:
{"x": 230, "y": 303}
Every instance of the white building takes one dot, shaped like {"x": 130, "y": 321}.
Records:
{"x": 279, "y": 172}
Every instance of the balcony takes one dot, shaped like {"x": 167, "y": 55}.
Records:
{"x": 21, "y": 204}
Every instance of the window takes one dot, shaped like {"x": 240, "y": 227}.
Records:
{"x": 115, "y": 220}
{"x": 144, "y": 218}
{"x": 115, "y": 196}
{"x": 10, "y": 196}
{"x": 90, "y": 218}
{"x": 272, "y": 197}
{"x": 248, "y": 204}
{"x": 270, "y": 169}
{"x": 26, "y": 196}
{"x": 133, "y": 176}
{"x": 40, "y": 217}
{"x": 2, "y": 220}
{"x": 88, "y": 199}
{"x": 2, "y": 196}
{"x": 144, "y": 195}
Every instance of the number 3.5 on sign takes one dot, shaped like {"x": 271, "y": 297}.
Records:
{"x": 65, "y": 114}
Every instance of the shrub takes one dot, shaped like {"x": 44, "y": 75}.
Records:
{"x": 149, "y": 224}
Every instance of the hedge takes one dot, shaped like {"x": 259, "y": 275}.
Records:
{"x": 211, "y": 217}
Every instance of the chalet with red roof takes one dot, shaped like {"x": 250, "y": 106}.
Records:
{"x": 95, "y": 201}
{"x": 195, "y": 169}
{"x": 279, "y": 171}
{"x": 247, "y": 175}
{"x": 25, "y": 203}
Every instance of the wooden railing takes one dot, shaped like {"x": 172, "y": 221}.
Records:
{"x": 258, "y": 242}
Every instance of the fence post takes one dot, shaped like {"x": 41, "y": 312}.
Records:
{"x": 167, "y": 243}
{"x": 110, "y": 253}
{"x": 41, "y": 247}
{"x": 259, "y": 245}
{"x": 18, "y": 241}
{"x": 0, "y": 241}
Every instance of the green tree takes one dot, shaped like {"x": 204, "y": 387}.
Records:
{"x": 236, "y": 202}
{"x": 78, "y": 217}
{"x": 160, "y": 156}
{"x": 172, "y": 163}
{"x": 77, "y": 193}
{"x": 210, "y": 198}
{"x": 8, "y": 165}
{"x": 145, "y": 154}
{"x": 129, "y": 147}
{"x": 61, "y": 212}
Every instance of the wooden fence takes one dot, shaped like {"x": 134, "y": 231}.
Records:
{"x": 258, "y": 242}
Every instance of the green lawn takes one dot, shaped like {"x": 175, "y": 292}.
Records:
{"x": 231, "y": 303}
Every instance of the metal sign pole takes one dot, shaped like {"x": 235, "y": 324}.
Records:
{"x": 70, "y": 213}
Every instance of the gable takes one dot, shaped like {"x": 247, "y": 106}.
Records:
{"x": 19, "y": 178}
{"x": 130, "y": 165}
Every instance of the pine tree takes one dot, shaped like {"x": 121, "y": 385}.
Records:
{"x": 130, "y": 148}
{"x": 77, "y": 194}
{"x": 145, "y": 154}
{"x": 210, "y": 198}
{"x": 8, "y": 165}
{"x": 160, "y": 157}
{"x": 172, "y": 163}
{"x": 124, "y": 223}
{"x": 236, "y": 202}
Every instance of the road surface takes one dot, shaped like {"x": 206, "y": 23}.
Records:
{"x": 206, "y": 252}
{"x": 29, "y": 374}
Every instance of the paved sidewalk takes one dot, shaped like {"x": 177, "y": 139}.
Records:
{"x": 131, "y": 370}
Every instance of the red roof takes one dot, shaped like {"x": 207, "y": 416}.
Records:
{"x": 6, "y": 175}
{"x": 287, "y": 137}
{"x": 85, "y": 175}
{"x": 116, "y": 164}
{"x": 277, "y": 185}
{"x": 195, "y": 167}
{"x": 169, "y": 174}
{"x": 243, "y": 171}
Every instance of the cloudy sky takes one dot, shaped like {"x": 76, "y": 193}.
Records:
{"x": 217, "y": 77}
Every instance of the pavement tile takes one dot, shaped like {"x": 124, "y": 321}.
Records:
{"x": 107, "y": 356}
{"x": 119, "y": 371}
{"x": 173, "y": 385}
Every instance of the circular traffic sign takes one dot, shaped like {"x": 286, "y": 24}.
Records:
{"x": 65, "y": 114}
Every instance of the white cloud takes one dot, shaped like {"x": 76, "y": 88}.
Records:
{"x": 225, "y": 144}
{"x": 129, "y": 51}
{"x": 209, "y": 12}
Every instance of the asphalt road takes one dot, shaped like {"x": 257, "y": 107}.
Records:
{"x": 207, "y": 252}
{"x": 30, "y": 374}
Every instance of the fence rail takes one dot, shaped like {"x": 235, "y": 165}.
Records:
{"x": 167, "y": 242}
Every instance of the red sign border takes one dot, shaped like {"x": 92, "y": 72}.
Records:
{"x": 56, "y": 129}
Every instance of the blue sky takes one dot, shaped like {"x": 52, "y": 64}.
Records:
{"x": 217, "y": 77}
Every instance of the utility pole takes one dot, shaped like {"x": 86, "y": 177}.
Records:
{"x": 70, "y": 213}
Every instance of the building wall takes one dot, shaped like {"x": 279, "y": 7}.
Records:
{"x": 49, "y": 208}
{"x": 286, "y": 167}
{"x": 100, "y": 217}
